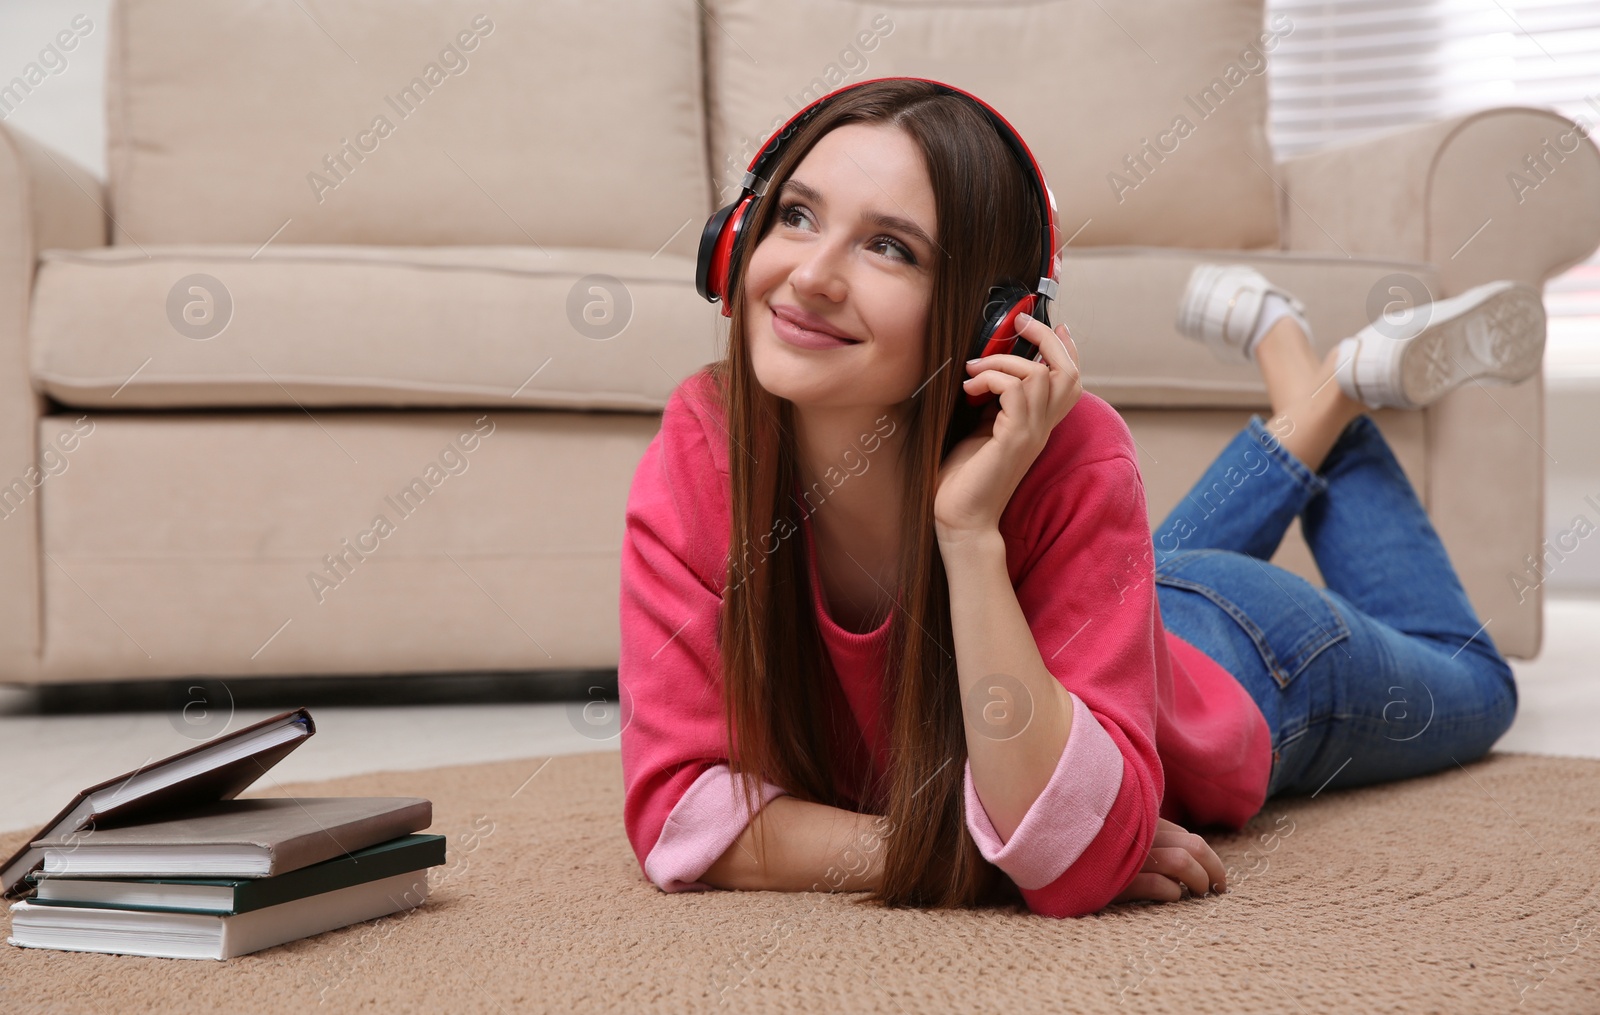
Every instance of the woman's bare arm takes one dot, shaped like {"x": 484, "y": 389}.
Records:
{"x": 809, "y": 847}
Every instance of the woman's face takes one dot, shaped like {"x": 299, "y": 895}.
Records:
{"x": 833, "y": 252}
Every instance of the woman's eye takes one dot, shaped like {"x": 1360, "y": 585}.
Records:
{"x": 786, "y": 210}
{"x": 905, "y": 252}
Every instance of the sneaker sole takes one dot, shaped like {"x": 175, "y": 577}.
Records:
{"x": 1202, "y": 282}
{"x": 1500, "y": 339}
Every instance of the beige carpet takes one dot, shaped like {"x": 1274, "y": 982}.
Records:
{"x": 1472, "y": 890}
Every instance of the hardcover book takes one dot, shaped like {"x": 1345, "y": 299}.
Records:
{"x": 229, "y": 896}
{"x": 255, "y": 838}
{"x": 219, "y": 769}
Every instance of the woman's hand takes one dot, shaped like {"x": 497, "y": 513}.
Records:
{"x": 1178, "y": 859}
{"x": 981, "y": 472}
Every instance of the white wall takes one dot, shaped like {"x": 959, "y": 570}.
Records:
{"x": 66, "y": 109}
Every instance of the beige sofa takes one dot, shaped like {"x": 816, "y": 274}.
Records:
{"x": 341, "y": 271}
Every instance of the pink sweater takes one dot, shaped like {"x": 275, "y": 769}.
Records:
{"x": 1158, "y": 726}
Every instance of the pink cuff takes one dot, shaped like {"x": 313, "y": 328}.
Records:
{"x": 1068, "y": 813}
{"x": 704, "y": 823}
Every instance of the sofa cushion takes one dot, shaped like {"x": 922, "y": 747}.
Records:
{"x": 255, "y": 545}
{"x": 407, "y": 122}
{"x": 505, "y": 326}
{"x": 273, "y": 560}
{"x": 366, "y": 326}
{"x": 1148, "y": 119}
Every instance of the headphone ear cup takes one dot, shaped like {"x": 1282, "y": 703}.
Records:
{"x": 719, "y": 249}
{"x": 704, "y": 284}
{"x": 995, "y": 334}
{"x": 998, "y": 333}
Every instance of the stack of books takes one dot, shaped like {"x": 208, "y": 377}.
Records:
{"x": 164, "y": 861}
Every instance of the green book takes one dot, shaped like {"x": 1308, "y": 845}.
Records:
{"x": 241, "y": 895}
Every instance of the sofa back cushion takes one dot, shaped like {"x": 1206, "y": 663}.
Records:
{"x": 104, "y": 334}
{"x": 546, "y": 124}
{"x": 1148, "y": 119}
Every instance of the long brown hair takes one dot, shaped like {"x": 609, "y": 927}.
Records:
{"x": 778, "y": 716}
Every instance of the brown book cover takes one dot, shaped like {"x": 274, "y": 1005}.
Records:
{"x": 145, "y": 793}
{"x": 261, "y": 837}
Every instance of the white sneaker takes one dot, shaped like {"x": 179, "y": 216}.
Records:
{"x": 1493, "y": 332}
{"x": 1221, "y": 305}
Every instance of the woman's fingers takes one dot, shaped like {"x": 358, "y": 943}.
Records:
{"x": 1203, "y": 854}
{"x": 1177, "y": 859}
{"x": 1056, "y": 346}
{"x": 997, "y": 381}
{"x": 1153, "y": 887}
{"x": 1060, "y": 359}
{"x": 1170, "y": 834}
{"x": 1215, "y": 871}
{"x": 1056, "y": 343}
{"x": 1052, "y": 383}
{"x": 1177, "y": 863}
{"x": 1056, "y": 351}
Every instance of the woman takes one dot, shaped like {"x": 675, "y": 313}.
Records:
{"x": 858, "y": 653}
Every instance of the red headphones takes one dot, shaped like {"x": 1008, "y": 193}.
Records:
{"x": 724, "y": 234}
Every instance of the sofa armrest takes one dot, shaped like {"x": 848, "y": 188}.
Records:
{"x": 1504, "y": 193}
{"x": 46, "y": 200}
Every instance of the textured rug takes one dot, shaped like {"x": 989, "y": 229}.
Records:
{"x": 1471, "y": 890}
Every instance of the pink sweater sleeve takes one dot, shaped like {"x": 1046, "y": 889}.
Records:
{"x": 1087, "y": 588}
{"x": 681, "y": 806}
{"x": 1069, "y": 813}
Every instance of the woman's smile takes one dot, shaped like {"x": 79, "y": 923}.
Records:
{"x": 793, "y": 333}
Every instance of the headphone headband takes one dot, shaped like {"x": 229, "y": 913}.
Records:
{"x": 998, "y": 332}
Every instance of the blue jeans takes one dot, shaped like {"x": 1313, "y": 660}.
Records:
{"x": 1384, "y": 674}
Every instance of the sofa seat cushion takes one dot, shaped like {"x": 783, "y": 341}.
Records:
{"x": 329, "y": 325}
{"x": 510, "y": 326}
{"x": 141, "y": 584}
{"x": 446, "y": 541}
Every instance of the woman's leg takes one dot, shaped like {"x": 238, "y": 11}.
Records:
{"x": 1413, "y": 683}
{"x": 1376, "y": 547}
{"x": 1241, "y": 502}
{"x": 1370, "y": 536}
{"x": 1349, "y": 699}
{"x": 1309, "y": 408}
{"x": 1440, "y": 693}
